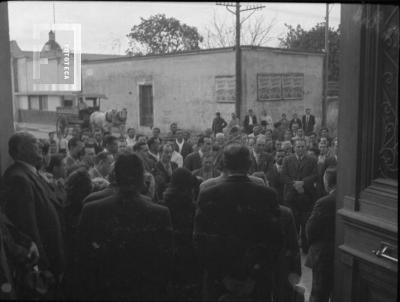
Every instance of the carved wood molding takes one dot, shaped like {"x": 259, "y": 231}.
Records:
{"x": 378, "y": 123}
{"x": 368, "y": 223}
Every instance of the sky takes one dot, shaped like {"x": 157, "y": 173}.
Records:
{"x": 104, "y": 25}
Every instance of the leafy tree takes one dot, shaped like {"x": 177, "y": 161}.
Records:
{"x": 161, "y": 35}
{"x": 314, "y": 40}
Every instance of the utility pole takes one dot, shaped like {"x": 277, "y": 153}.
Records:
{"x": 326, "y": 67}
{"x": 238, "y": 53}
{"x": 238, "y": 63}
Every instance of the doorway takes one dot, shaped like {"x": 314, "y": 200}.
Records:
{"x": 146, "y": 105}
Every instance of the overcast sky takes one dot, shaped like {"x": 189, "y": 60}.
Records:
{"x": 105, "y": 24}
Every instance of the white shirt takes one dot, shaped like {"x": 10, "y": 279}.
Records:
{"x": 250, "y": 120}
{"x": 278, "y": 167}
{"x": 256, "y": 156}
{"x": 62, "y": 144}
{"x": 177, "y": 158}
{"x": 130, "y": 141}
{"x": 180, "y": 145}
{"x": 321, "y": 158}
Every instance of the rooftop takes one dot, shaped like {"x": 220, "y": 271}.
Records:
{"x": 16, "y": 52}
{"x": 211, "y": 50}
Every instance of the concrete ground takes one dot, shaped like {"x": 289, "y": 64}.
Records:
{"x": 306, "y": 278}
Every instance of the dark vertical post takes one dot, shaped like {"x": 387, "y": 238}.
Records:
{"x": 326, "y": 68}
{"x": 6, "y": 104}
{"x": 238, "y": 62}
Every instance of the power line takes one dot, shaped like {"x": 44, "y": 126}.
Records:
{"x": 238, "y": 57}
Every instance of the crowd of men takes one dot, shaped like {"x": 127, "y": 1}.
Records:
{"x": 220, "y": 215}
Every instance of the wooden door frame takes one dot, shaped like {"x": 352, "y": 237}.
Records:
{"x": 366, "y": 199}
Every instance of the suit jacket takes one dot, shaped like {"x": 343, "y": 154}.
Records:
{"x": 231, "y": 217}
{"x": 186, "y": 149}
{"x": 308, "y": 127}
{"x": 320, "y": 231}
{"x": 305, "y": 170}
{"x": 297, "y": 121}
{"x": 264, "y": 164}
{"x": 221, "y": 178}
{"x": 125, "y": 249}
{"x": 110, "y": 190}
{"x": 162, "y": 178}
{"x": 275, "y": 181}
{"x": 14, "y": 248}
{"x": 98, "y": 147}
{"x": 330, "y": 161}
{"x": 149, "y": 162}
{"x": 94, "y": 173}
{"x": 192, "y": 161}
{"x": 246, "y": 123}
{"x": 218, "y": 125}
{"x": 31, "y": 206}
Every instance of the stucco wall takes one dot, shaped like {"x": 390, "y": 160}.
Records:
{"x": 271, "y": 61}
{"x": 53, "y": 102}
{"x": 183, "y": 87}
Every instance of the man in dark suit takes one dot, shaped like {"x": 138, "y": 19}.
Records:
{"x": 308, "y": 122}
{"x": 164, "y": 169}
{"x": 218, "y": 124}
{"x": 193, "y": 160}
{"x": 249, "y": 121}
{"x": 274, "y": 175}
{"x": 320, "y": 231}
{"x": 236, "y": 229}
{"x": 295, "y": 120}
{"x": 181, "y": 145}
{"x": 30, "y": 204}
{"x": 261, "y": 161}
{"x": 125, "y": 241}
{"x": 299, "y": 173}
{"x": 98, "y": 141}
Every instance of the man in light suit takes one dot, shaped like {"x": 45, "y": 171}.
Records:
{"x": 261, "y": 161}
{"x": 299, "y": 173}
{"x": 308, "y": 122}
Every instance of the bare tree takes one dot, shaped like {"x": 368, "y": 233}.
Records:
{"x": 254, "y": 31}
